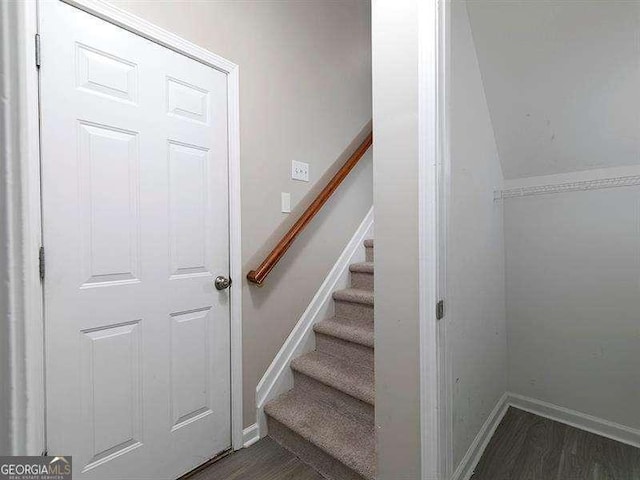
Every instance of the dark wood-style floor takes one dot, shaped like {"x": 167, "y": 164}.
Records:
{"x": 265, "y": 460}
{"x": 524, "y": 447}
{"x": 528, "y": 447}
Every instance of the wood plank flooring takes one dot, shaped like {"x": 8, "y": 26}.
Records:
{"x": 524, "y": 447}
{"x": 529, "y": 447}
{"x": 265, "y": 460}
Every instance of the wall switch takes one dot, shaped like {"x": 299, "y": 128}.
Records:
{"x": 300, "y": 171}
{"x": 286, "y": 202}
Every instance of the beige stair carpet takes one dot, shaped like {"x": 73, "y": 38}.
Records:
{"x": 327, "y": 419}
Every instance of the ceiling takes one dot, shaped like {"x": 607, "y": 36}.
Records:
{"x": 562, "y": 81}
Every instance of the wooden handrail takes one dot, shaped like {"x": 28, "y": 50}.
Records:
{"x": 258, "y": 275}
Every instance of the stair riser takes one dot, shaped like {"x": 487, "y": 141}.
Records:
{"x": 354, "y": 311}
{"x": 342, "y": 402}
{"x": 361, "y": 280}
{"x": 368, "y": 254}
{"x": 309, "y": 453}
{"x": 337, "y": 347}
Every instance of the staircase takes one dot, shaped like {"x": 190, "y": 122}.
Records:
{"x": 327, "y": 419}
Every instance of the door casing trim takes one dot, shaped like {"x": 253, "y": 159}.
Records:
{"x": 436, "y": 409}
{"x": 30, "y": 426}
{"x": 20, "y": 233}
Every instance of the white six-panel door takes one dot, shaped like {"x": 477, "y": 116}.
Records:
{"x": 136, "y": 228}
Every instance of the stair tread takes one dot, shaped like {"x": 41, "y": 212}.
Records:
{"x": 345, "y": 439}
{"x": 356, "y": 332}
{"x": 354, "y": 379}
{"x": 354, "y": 295}
{"x": 368, "y": 243}
{"x": 362, "y": 267}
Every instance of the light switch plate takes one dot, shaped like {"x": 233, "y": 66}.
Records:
{"x": 285, "y": 200}
{"x": 300, "y": 171}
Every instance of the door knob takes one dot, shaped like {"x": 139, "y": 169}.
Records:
{"x": 221, "y": 282}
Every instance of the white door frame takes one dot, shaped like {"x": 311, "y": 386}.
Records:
{"x": 19, "y": 25}
{"x": 436, "y": 421}
{"x": 443, "y": 188}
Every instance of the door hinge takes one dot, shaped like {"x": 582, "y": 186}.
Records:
{"x": 38, "y": 54}
{"x": 41, "y": 262}
{"x": 440, "y": 310}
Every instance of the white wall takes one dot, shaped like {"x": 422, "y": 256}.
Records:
{"x": 573, "y": 300}
{"x": 395, "y": 122}
{"x": 561, "y": 78}
{"x": 476, "y": 328}
{"x": 305, "y": 94}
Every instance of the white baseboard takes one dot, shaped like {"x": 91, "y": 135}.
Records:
{"x": 278, "y": 378}
{"x": 250, "y": 435}
{"x": 580, "y": 420}
{"x": 479, "y": 444}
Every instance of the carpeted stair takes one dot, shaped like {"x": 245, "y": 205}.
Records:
{"x": 328, "y": 418}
